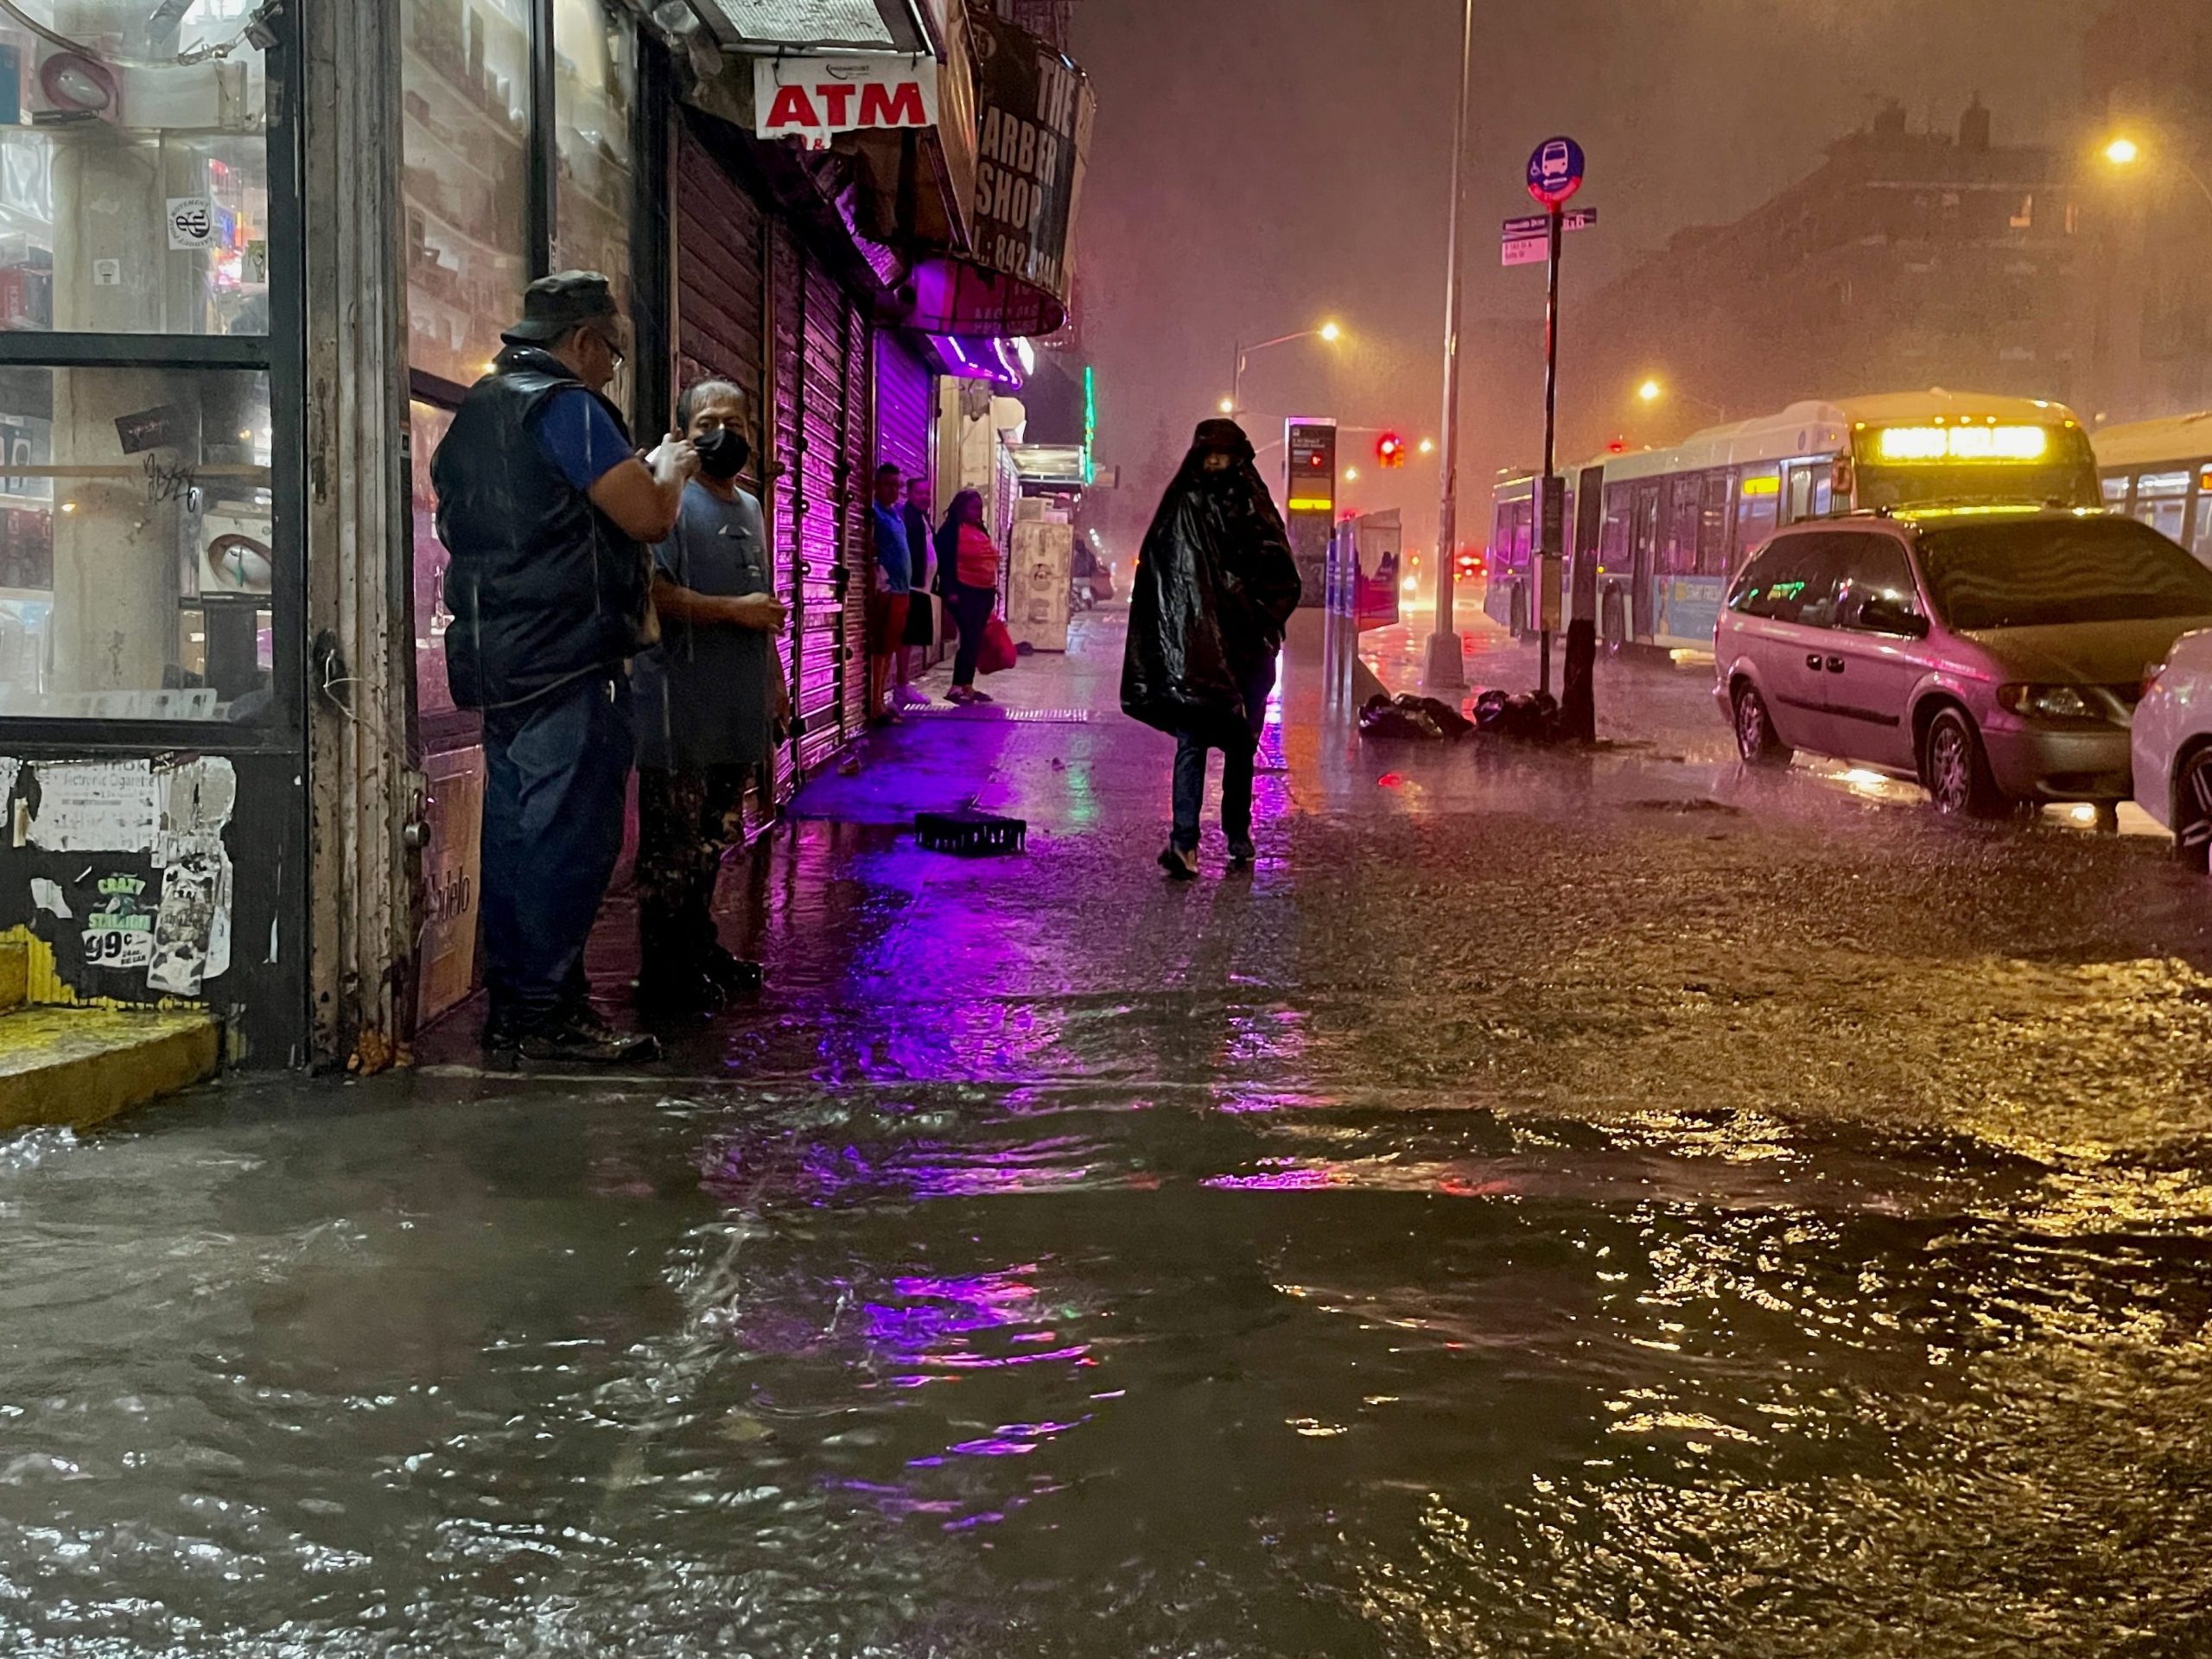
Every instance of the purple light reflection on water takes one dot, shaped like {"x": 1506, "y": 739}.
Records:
{"x": 1286, "y": 1180}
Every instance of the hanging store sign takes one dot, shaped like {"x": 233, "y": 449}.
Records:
{"x": 813, "y": 99}
{"x": 1033, "y": 114}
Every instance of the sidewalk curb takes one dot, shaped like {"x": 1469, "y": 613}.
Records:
{"x": 76, "y": 1067}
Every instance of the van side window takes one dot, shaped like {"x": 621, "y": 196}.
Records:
{"x": 1873, "y": 567}
{"x": 1793, "y": 580}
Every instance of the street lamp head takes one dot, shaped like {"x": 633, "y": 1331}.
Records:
{"x": 1428, "y": 446}
{"x": 1228, "y": 405}
{"x": 1651, "y": 391}
{"x": 1330, "y": 332}
{"x": 1351, "y": 474}
{"x": 2123, "y": 152}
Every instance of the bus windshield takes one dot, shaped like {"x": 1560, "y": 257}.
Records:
{"x": 1922, "y": 465}
{"x": 2040, "y": 572}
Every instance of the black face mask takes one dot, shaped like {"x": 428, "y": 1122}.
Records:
{"x": 723, "y": 453}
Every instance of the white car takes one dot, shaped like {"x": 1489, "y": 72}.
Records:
{"x": 2172, "y": 745}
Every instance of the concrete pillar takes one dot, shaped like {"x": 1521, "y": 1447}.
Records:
{"x": 363, "y": 791}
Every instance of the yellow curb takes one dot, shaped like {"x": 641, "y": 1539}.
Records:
{"x": 76, "y": 1067}
{"x": 15, "y": 974}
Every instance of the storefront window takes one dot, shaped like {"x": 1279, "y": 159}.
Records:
{"x": 595, "y": 75}
{"x": 136, "y": 550}
{"x": 464, "y": 83}
{"x": 156, "y": 226}
{"x": 432, "y": 697}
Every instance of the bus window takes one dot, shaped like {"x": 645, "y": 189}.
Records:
{"x": 2162, "y": 502}
{"x": 1612, "y": 545}
{"x": 1501, "y": 534}
{"x": 2202, "y": 545}
{"x": 1523, "y": 519}
{"x": 1712, "y": 526}
{"x": 1682, "y": 527}
{"x": 1758, "y": 493}
{"x": 2115, "y": 489}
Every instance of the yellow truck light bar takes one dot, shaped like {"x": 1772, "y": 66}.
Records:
{"x": 1962, "y": 442}
{"x": 1312, "y": 503}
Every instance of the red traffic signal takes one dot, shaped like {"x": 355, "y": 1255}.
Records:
{"x": 1390, "y": 450}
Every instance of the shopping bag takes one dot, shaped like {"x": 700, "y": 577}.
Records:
{"x": 996, "y": 652}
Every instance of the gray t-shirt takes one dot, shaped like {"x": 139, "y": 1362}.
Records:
{"x": 702, "y": 695}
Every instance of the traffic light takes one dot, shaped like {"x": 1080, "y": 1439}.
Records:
{"x": 1389, "y": 450}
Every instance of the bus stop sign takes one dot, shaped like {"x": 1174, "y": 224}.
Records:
{"x": 1555, "y": 170}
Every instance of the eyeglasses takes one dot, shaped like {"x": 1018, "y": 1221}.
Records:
{"x": 614, "y": 347}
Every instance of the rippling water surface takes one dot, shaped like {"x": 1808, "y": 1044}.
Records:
{"x": 933, "y": 1375}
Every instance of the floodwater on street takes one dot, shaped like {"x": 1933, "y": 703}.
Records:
{"x": 1556, "y": 1205}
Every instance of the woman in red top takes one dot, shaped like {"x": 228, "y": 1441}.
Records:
{"x": 968, "y": 565}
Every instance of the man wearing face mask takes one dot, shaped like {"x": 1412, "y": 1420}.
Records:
{"x": 708, "y": 699}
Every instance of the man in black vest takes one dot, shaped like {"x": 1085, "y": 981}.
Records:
{"x": 548, "y": 513}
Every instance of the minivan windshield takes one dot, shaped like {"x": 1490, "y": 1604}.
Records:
{"x": 2037, "y": 572}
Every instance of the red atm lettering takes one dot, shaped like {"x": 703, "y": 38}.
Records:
{"x": 837, "y": 99}
{"x": 891, "y": 106}
{"x": 792, "y": 108}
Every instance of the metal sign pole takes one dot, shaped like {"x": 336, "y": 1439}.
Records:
{"x": 1446, "y": 671}
{"x": 1547, "y": 553}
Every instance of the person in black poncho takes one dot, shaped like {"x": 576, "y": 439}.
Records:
{"x": 1215, "y": 589}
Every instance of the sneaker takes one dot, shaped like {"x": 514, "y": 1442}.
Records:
{"x": 1179, "y": 865}
{"x": 974, "y": 696}
{"x": 961, "y": 694}
{"x": 907, "y": 697}
{"x": 733, "y": 975}
{"x": 1242, "y": 852}
{"x": 583, "y": 1038}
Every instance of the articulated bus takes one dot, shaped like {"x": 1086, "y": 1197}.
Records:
{"x": 2160, "y": 472}
{"x": 1667, "y": 528}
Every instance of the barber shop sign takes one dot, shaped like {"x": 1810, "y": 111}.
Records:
{"x": 812, "y": 99}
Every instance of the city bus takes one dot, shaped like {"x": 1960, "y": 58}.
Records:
{"x": 2160, "y": 472}
{"x": 1667, "y": 529}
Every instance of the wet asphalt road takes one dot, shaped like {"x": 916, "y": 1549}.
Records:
{"x": 1557, "y": 1204}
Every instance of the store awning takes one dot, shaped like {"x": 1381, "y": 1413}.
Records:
{"x": 894, "y": 26}
{"x": 1034, "y": 110}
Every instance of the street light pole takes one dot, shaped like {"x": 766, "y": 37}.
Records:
{"x": 1446, "y": 671}
{"x": 1327, "y": 331}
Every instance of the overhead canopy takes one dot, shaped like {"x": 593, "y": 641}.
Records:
{"x": 821, "y": 25}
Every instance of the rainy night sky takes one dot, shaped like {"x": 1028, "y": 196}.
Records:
{"x": 1261, "y": 164}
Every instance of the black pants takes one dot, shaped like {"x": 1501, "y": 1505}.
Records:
{"x": 686, "y": 821}
{"x": 556, "y": 770}
{"x": 971, "y": 610}
{"x": 1236, "y": 760}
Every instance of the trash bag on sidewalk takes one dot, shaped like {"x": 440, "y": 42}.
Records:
{"x": 1214, "y": 590}
{"x": 1531, "y": 716}
{"x": 1410, "y": 716}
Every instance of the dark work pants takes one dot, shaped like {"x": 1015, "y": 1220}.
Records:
{"x": 687, "y": 819}
{"x": 1235, "y": 771}
{"x": 971, "y": 609}
{"x": 556, "y": 769}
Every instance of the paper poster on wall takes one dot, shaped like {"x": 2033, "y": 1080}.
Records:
{"x": 120, "y": 932}
{"x": 106, "y": 806}
{"x": 191, "y": 888}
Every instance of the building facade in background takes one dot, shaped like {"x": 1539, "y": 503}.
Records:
{"x": 251, "y": 257}
{"x": 1907, "y": 260}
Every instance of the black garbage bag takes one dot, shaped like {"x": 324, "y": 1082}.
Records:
{"x": 1530, "y": 716}
{"x": 1398, "y": 720}
{"x": 1214, "y": 591}
{"x": 1449, "y": 720}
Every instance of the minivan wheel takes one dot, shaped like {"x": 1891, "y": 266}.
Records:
{"x": 2193, "y": 811}
{"x": 1755, "y": 738}
{"x": 1955, "y": 770}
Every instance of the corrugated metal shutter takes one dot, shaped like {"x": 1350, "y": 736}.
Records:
{"x": 814, "y": 498}
{"x": 721, "y": 291}
{"x": 859, "y": 546}
{"x": 904, "y": 395}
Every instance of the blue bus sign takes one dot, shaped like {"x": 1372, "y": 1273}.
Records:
{"x": 1555, "y": 170}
